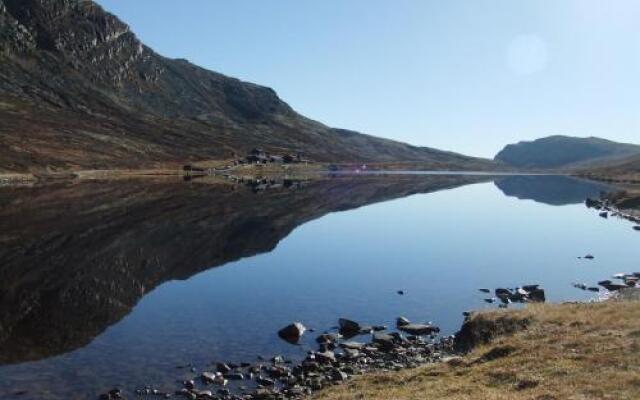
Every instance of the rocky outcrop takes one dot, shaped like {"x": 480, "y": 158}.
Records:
{"x": 484, "y": 327}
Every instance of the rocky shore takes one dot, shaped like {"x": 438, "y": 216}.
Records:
{"x": 541, "y": 352}
{"x": 350, "y": 349}
{"x": 623, "y": 204}
{"x": 340, "y": 356}
{"x": 353, "y": 351}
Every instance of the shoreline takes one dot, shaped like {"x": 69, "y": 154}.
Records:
{"x": 487, "y": 340}
{"x": 343, "y": 364}
{"x": 550, "y": 351}
{"x": 245, "y": 171}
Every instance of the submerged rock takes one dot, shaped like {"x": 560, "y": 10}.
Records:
{"x": 580, "y": 286}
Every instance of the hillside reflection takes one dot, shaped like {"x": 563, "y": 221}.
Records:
{"x": 76, "y": 258}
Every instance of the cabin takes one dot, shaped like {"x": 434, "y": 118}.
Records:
{"x": 257, "y": 156}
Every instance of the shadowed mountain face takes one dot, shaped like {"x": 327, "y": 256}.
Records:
{"x": 552, "y": 190}
{"x": 79, "y": 90}
{"x": 76, "y": 258}
{"x": 565, "y": 152}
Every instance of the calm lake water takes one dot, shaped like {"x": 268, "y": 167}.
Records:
{"x": 118, "y": 284}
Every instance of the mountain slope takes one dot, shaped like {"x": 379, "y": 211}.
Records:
{"x": 626, "y": 170}
{"x": 565, "y": 152}
{"x": 79, "y": 90}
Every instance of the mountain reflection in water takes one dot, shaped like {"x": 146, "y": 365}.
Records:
{"x": 76, "y": 258}
{"x": 552, "y": 190}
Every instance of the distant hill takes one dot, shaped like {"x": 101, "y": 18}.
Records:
{"x": 78, "y": 90}
{"x": 565, "y": 152}
{"x": 626, "y": 170}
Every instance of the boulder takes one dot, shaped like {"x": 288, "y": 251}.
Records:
{"x": 326, "y": 357}
{"x": 348, "y": 326}
{"x": 402, "y": 321}
{"x": 223, "y": 367}
{"x": 215, "y": 378}
{"x": 265, "y": 381}
{"x": 537, "y": 296}
{"x": 352, "y": 345}
{"x": 328, "y": 338}
{"x": 292, "y": 333}
{"x": 612, "y": 287}
{"x": 383, "y": 339}
{"x": 339, "y": 376}
{"x": 234, "y": 376}
{"x": 591, "y": 203}
{"x": 502, "y": 293}
{"x": 419, "y": 329}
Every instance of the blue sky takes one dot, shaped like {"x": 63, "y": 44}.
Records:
{"x": 468, "y": 76}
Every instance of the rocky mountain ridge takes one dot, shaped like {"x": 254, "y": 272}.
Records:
{"x": 78, "y": 90}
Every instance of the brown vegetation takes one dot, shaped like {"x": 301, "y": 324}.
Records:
{"x": 571, "y": 351}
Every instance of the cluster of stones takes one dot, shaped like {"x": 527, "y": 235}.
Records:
{"x": 626, "y": 281}
{"x": 523, "y": 294}
{"x": 606, "y": 209}
{"x": 338, "y": 358}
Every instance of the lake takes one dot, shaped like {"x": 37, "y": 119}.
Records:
{"x": 135, "y": 282}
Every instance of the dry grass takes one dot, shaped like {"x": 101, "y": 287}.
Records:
{"x": 583, "y": 351}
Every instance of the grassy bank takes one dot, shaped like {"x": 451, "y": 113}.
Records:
{"x": 570, "y": 351}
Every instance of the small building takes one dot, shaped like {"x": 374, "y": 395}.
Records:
{"x": 257, "y": 156}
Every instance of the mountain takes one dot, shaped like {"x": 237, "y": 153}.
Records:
{"x": 78, "y": 90}
{"x": 565, "y": 152}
